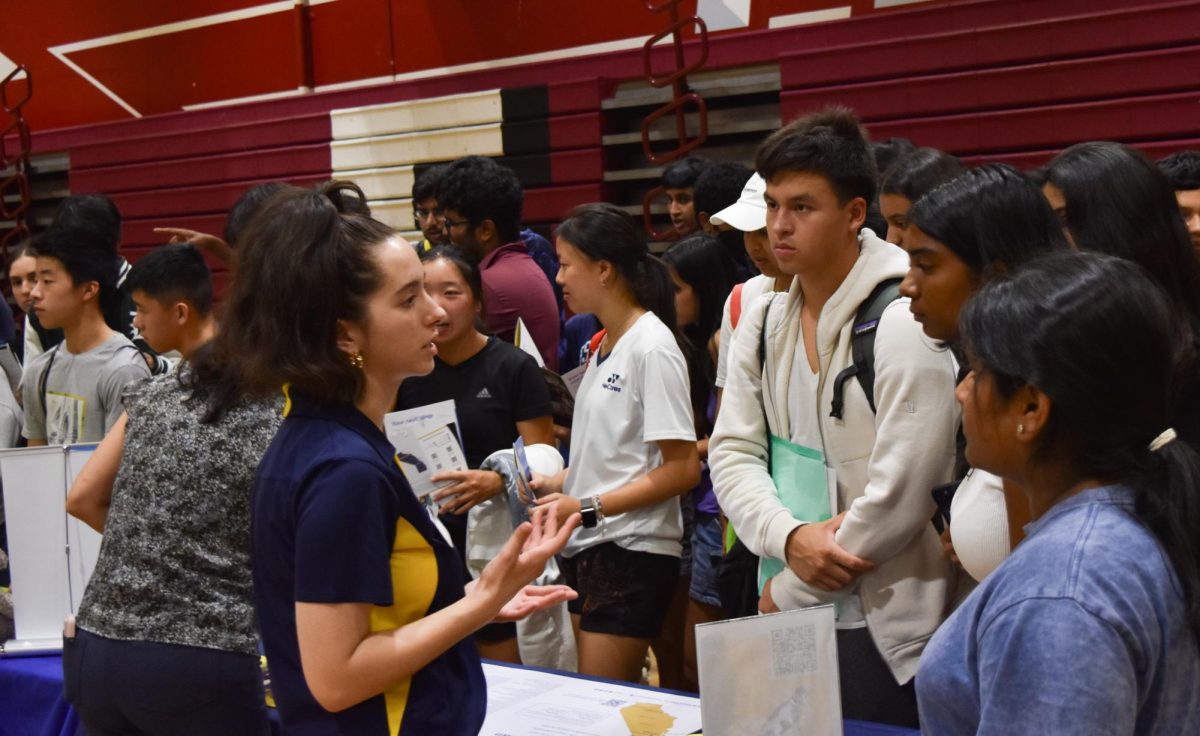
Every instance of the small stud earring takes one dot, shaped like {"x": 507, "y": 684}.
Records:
{"x": 356, "y": 360}
{"x": 1020, "y": 429}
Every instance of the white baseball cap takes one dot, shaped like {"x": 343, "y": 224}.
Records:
{"x": 749, "y": 213}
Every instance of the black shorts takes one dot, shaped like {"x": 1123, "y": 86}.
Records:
{"x": 621, "y": 592}
{"x": 495, "y": 633}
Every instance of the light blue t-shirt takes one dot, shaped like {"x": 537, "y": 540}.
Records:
{"x": 1081, "y": 631}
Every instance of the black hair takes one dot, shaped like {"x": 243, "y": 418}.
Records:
{"x": 990, "y": 216}
{"x": 84, "y": 253}
{"x": 246, "y": 207}
{"x": 92, "y": 213}
{"x": 605, "y": 232}
{"x": 683, "y": 173}
{"x": 1182, "y": 169}
{"x": 719, "y": 186}
{"x": 174, "y": 272}
{"x": 303, "y": 265}
{"x": 886, "y": 152}
{"x": 479, "y": 189}
{"x": 915, "y": 174}
{"x": 1118, "y": 202}
{"x": 467, "y": 267}
{"x": 425, "y": 182}
{"x": 1095, "y": 335}
{"x": 700, "y": 261}
{"x": 829, "y": 142}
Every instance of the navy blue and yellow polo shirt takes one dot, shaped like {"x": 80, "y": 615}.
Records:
{"x": 334, "y": 521}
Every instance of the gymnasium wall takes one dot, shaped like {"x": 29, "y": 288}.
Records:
{"x": 1014, "y": 80}
{"x": 99, "y": 61}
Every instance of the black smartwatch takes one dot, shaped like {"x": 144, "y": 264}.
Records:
{"x": 587, "y": 509}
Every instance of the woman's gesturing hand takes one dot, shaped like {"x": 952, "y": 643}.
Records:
{"x": 523, "y": 558}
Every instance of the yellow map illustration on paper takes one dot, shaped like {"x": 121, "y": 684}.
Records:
{"x": 644, "y": 719}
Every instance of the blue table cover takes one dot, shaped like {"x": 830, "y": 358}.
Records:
{"x": 31, "y": 702}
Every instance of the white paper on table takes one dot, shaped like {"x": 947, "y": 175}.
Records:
{"x": 427, "y": 442}
{"x": 524, "y": 340}
{"x": 534, "y": 703}
{"x": 767, "y": 674}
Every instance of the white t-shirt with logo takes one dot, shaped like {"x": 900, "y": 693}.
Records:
{"x": 638, "y": 395}
{"x": 752, "y": 289}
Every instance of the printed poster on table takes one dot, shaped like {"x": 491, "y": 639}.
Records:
{"x": 766, "y": 674}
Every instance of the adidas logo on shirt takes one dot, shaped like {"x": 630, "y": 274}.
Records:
{"x": 483, "y": 393}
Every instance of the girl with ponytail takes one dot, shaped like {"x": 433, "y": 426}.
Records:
{"x": 1092, "y": 625}
{"x": 365, "y": 616}
{"x": 633, "y": 444}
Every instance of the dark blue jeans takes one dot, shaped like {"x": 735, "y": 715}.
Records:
{"x": 138, "y": 687}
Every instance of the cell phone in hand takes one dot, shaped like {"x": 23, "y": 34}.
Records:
{"x": 524, "y": 472}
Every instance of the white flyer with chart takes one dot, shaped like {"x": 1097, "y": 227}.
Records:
{"x": 427, "y": 442}
{"x": 535, "y": 703}
{"x": 764, "y": 675}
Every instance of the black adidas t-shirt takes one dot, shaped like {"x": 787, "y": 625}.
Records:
{"x": 492, "y": 391}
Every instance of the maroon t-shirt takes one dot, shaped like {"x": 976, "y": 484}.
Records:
{"x": 514, "y": 286}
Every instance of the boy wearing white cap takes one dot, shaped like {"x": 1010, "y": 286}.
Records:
{"x": 749, "y": 215}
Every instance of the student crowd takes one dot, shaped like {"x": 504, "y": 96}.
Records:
{"x": 958, "y": 403}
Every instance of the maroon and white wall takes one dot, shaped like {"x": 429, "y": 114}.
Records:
{"x": 100, "y": 61}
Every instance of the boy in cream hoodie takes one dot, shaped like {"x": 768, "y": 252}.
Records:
{"x": 878, "y": 559}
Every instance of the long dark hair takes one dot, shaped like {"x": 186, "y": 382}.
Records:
{"x": 992, "y": 216}
{"x": 303, "y": 264}
{"x": 1119, "y": 203}
{"x": 700, "y": 262}
{"x": 1095, "y": 335}
{"x": 605, "y": 232}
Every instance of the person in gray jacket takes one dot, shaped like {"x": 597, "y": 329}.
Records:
{"x": 790, "y": 435}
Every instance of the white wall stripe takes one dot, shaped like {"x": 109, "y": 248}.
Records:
{"x": 812, "y": 16}
{"x": 231, "y": 16}
{"x": 354, "y": 83}
{"x": 595, "y": 48}
{"x": 96, "y": 83}
{"x": 250, "y": 98}
{"x": 894, "y": 3}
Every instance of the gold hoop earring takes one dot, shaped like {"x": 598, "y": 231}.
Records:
{"x": 356, "y": 360}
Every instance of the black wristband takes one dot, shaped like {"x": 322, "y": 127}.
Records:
{"x": 587, "y": 510}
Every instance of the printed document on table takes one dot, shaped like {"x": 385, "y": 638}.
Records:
{"x": 763, "y": 675}
{"x": 427, "y": 442}
{"x": 528, "y": 702}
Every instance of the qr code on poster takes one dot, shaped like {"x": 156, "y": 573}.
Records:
{"x": 794, "y": 650}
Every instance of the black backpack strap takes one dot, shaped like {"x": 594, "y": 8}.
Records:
{"x": 762, "y": 335}
{"x": 862, "y": 345}
{"x": 46, "y": 374}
